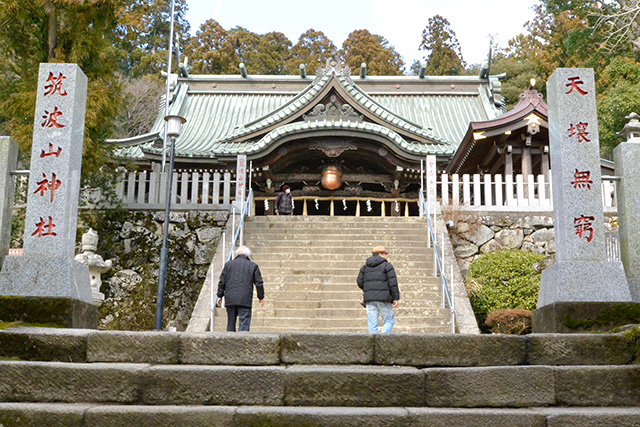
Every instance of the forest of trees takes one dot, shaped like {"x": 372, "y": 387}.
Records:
{"x": 121, "y": 45}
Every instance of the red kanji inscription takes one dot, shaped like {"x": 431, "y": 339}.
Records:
{"x": 573, "y": 84}
{"x": 54, "y": 84}
{"x": 44, "y": 229}
{"x": 583, "y": 226}
{"x": 579, "y": 131}
{"x": 51, "y": 152}
{"x": 48, "y": 185}
{"x": 51, "y": 118}
{"x": 582, "y": 179}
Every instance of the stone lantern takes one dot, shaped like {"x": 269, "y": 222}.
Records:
{"x": 96, "y": 264}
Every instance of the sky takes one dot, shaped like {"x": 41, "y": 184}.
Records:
{"x": 399, "y": 21}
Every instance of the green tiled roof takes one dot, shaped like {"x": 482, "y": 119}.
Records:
{"x": 229, "y": 115}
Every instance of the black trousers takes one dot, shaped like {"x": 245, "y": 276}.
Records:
{"x": 237, "y": 311}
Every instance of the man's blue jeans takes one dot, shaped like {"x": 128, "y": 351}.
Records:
{"x": 375, "y": 308}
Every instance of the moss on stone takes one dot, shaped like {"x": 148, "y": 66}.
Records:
{"x": 607, "y": 319}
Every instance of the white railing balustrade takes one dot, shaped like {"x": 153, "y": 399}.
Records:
{"x": 483, "y": 192}
{"x": 139, "y": 190}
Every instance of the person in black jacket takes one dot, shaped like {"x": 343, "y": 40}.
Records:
{"x": 377, "y": 278}
{"x": 284, "y": 202}
{"x": 236, "y": 284}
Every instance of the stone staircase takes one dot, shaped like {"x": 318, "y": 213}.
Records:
{"x": 310, "y": 264}
{"x": 83, "y": 378}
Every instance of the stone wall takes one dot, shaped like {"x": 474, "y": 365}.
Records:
{"x": 132, "y": 240}
{"x": 473, "y": 234}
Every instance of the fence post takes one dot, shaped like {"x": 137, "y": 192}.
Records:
{"x": 455, "y": 189}
{"x": 216, "y": 188}
{"x": 205, "y": 188}
{"x": 142, "y": 187}
{"x": 498, "y": 187}
{"x": 195, "y": 187}
{"x": 488, "y": 200}
{"x": 226, "y": 191}
{"x": 477, "y": 193}
{"x": 444, "y": 189}
{"x": 466, "y": 190}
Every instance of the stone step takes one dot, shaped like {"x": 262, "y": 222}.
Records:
{"x": 348, "y": 246}
{"x": 83, "y": 345}
{"x": 334, "y": 312}
{"x": 279, "y": 279}
{"x": 320, "y": 385}
{"x": 96, "y": 415}
{"x": 397, "y": 329}
{"x": 334, "y": 219}
{"x": 335, "y": 262}
{"x": 327, "y": 271}
{"x": 346, "y": 285}
{"x": 344, "y": 321}
{"x": 407, "y": 233}
{"x": 275, "y": 255}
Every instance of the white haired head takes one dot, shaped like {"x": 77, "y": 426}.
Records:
{"x": 243, "y": 250}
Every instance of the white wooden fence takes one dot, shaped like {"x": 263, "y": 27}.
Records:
{"x": 139, "y": 190}
{"x": 499, "y": 191}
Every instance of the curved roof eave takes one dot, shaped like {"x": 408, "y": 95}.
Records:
{"x": 316, "y": 91}
{"x": 395, "y": 140}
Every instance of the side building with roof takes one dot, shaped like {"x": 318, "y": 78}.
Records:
{"x": 371, "y": 132}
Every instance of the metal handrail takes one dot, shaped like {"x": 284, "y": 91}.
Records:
{"x": 245, "y": 208}
{"x": 439, "y": 264}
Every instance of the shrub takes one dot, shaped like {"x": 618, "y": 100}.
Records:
{"x": 503, "y": 280}
{"x": 515, "y": 321}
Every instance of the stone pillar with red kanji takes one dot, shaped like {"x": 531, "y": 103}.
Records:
{"x": 47, "y": 268}
{"x": 626, "y": 157}
{"x": 581, "y": 272}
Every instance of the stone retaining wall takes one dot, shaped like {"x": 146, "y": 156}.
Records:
{"x": 132, "y": 240}
{"x": 473, "y": 234}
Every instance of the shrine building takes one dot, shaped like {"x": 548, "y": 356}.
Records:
{"x": 345, "y": 136}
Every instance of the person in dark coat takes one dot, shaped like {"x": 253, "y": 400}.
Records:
{"x": 236, "y": 284}
{"x": 377, "y": 279}
{"x": 284, "y": 202}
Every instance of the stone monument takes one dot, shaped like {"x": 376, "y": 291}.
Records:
{"x": 8, "y": 163}
{"x": 626, "y": 157}
{"x": 581, "y": 280}
{"x": 96, "y": 264}
{"x": 46, "y": 280}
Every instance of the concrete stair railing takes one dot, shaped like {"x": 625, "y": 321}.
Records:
{"x": 61, "y": 377}
{"x": 310, "y": 264}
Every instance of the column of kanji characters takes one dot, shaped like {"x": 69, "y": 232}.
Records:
{"x": 579, "y": 134}
{"x": 49, "y": 184}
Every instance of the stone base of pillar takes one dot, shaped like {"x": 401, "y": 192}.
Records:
{"x": 580, "y": 317}
{"x": 46, "y": 311}
{"x": 51, "y": 277}
{"x": 583, "y": 281}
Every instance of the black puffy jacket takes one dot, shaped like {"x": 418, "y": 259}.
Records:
{"x": 377, "y": 279}
{"x": 237, "y": 279}
{"x": 284, "y": 203}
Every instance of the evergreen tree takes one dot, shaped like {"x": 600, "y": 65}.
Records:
{"x": 143, "y": 34}
{"x": 211, "y": 50}
{"x": 58, "y": 31}
{"x": 439, "y": 41}
{"x": 374, "y": 50}
{"x": 274, "y": 53}
{"x": 312, "y": 49}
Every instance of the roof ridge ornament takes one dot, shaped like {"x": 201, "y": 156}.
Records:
{"x": 335, "y": 67}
